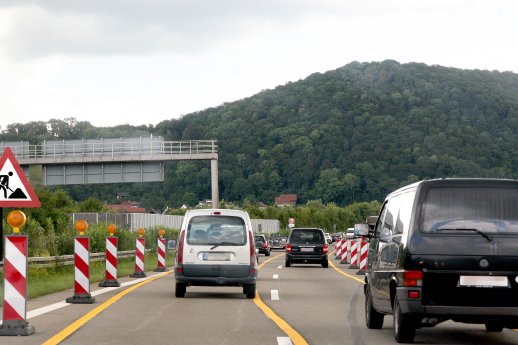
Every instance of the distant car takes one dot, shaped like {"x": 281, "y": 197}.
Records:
{"x": 171, "y": 244}
{"x": 328, "y": 237}
{"x": 262, "y": 245}
{"x": 278, "y": 242}
{"x": 336, "y": 236}
{"x": 350, "y": 234}
{"x": 306, "y": 245}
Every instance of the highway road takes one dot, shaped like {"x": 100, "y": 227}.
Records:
{"x": 303, "y": 304}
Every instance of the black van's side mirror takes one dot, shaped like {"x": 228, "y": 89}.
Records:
{"x": 361, "y": 229}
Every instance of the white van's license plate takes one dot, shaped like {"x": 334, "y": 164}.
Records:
{"x": 216, "y": 256}
{"x": 484, "y": 281}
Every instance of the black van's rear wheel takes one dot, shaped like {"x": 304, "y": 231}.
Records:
{"x": 494, "y": 326}
{"x": 373, "y": 319}
{"x": 404, "y": 325}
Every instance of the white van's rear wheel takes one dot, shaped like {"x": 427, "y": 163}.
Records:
{"x": 180, "y": 289}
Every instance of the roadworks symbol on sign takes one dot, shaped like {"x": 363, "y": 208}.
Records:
{"x": 15, "y": 189}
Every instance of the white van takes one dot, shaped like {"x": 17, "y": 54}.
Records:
{"x": 216, "y": 248}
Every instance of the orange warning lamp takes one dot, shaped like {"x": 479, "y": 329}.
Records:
{"x": 140, "y": 232}
{"x": 16, "y": 219}
{"x": 81, "y": 226}
{"x": 112, "y": 229}
{"x": 161, "y": 232}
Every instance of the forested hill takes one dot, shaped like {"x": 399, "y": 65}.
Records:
{"x": 351, "y": 134}
{"x": 362, "y": 130}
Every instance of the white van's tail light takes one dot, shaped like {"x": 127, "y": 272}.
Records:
{"x": 288, "y": 248}
{"x": 413, "y": 278}
{"x": 179, "y": 257}
{"x": 252, "y": 252}
{"x": 325, "y": 249}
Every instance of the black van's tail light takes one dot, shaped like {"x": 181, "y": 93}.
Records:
{"x": 179, "y": 259}
{"x": 414, "y": 294}
{"x": 288, "y": 248}
{"x": 325, "y": 249}
{"x": 413, "y": 278}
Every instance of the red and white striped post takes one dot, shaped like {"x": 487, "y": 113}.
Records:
{"x": 112, "y": 244}
{"x": 160, "y": 250}
{"x": 354, "y": 254}
{"x": 338, "y": 246}
{"x": 15, "y": 279}
{"x": 81, "y": 267}
{"x": 364, "y": 250}
{"x": 346, "y": 252}
{"x": 140, "y": 247}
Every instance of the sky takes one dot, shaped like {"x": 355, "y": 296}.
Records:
{"x": 115, "y": 62}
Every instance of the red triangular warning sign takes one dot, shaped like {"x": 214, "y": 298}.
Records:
{"x": 15, "y": 189}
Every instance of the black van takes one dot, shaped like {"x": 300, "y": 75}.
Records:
{"x": 445, "y": 249}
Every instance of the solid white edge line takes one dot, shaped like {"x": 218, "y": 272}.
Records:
{"x": 62, "y": 304}
{"x": 284, "y": 341}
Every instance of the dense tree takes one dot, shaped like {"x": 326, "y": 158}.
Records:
{"x": 348, "y": 135}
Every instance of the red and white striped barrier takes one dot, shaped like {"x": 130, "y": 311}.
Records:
{"x": 364, "y": 250}
{"x": 81, "y": 272}
{"x": 112, "y": 244}
{"x": 354, "y": 255}
{"x": 15, "y": 287}
{"x": 346, "y": 252}
{"x": 338, "y": 251}
{"x": 160, "y": 250}
{"x": 140, "y": 247}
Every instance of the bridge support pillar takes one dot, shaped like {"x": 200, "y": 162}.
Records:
{"x": 214, "y": 182}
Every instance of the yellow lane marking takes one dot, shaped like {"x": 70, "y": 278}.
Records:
{"x": 67, "y": 331}
{"x": 295, "y": 337}
{"x": 342, "y": 272}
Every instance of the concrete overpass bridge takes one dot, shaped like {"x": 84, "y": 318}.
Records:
{"x": 113, "y": 160}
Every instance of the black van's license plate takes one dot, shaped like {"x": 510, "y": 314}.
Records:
{"x": 484, "y": 281}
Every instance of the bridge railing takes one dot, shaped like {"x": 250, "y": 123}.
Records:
{"x": 92, "y": 148}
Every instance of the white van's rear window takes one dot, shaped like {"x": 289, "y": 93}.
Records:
{"x": 487, "y": 209}
{"x": 216, "y": 230}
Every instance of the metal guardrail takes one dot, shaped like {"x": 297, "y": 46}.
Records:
{"x": 48, "y": 261}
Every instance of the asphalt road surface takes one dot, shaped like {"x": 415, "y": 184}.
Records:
{"x": 303, "y": 304}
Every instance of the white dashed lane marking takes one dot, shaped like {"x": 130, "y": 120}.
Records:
{"x": 275, "y": 295}
{"x": 275, "y": 276}
{"x": 284, "y": 341}
{"x": 279, "y": 267}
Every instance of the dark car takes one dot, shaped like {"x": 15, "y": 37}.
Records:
{"x": 278, "y": 242}
{"x": 307, "y": 245}
{"x": 444, "y": 249}
{"x": 262, "y": 245}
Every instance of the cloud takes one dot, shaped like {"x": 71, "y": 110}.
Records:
{"x": 135, "y": 27}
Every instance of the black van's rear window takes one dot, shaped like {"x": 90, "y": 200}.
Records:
{"x": 492, "y": 210}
